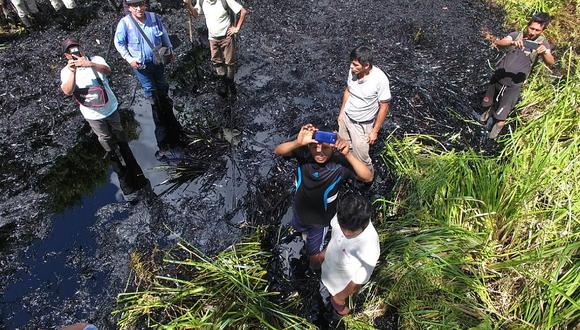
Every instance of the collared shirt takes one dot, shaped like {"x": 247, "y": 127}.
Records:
{"x": 349, "y": 259}
{"x": 363, "y": 102}
{"x": 130, "y": 43}
{"x": 217, "y": 18}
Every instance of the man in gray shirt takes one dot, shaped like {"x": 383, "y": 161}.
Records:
{"x": 364, "y": 104}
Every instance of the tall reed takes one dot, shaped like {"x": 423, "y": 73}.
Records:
{"x": 490, "y": 241}
{"x": 226, "y": 292}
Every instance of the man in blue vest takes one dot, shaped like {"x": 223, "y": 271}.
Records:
{"x": 139, "y": 37}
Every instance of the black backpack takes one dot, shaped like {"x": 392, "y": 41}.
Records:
{"x": 231, "y": 14}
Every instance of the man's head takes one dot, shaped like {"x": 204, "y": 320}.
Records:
{"x": 354, "y": 214}
{"x": 321, "y": 152}
{"x": 137, "y": 7}
{"x": 537, "y": 25}
{"x": 361, "y": 60}
{"x": 70, "y": 47}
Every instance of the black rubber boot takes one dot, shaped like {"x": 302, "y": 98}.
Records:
{"x": 221, "y": 86}
{"x": 168, "y": 118}
{"x": 230, "y": 87}
{"x": 26, "y": 22}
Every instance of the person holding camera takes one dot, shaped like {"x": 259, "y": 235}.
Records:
{"x": 85, "y": 79}
{"x": 513, "y": 69}
{"x": 364, "y": 104}
{"x": 323, "y": 168}
{"x": 220, "y": 18}
{"x": 143, "y": 42}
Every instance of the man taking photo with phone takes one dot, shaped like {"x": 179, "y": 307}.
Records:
{"x": 85, "y": 79}
{"x": 322, "y": 170}
{"x": 513, "y": 69}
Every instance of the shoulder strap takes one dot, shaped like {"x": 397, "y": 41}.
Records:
{"x": 540, "y": 39}
{"x": 142, "y": 32}
{"x": 99, "y": 80}
{"x": 230, "y": 12}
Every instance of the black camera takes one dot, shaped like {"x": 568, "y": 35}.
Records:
{"x": 74, "y": 51}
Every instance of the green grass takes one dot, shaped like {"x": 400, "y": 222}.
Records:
{"x": 490, "y": 242}
{"x": 228, "y": 291}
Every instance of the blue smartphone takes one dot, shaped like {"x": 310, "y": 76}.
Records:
{"x": 325, "y": 137}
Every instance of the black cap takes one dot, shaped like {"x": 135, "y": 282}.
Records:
{"x": 133, "y": 1}
{"x": 69, "y": 42}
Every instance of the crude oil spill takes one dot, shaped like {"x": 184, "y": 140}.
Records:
{"x": 288, "y": 75}
{"x": 145, "y": 146}
{"x": 59, "y": 265}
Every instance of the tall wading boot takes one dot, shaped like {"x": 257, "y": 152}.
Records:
{"x": 26, "y": 21}
{"x": 221, "y": 87}
{"x": 160, "y": 128}
{"x": 62, "y": 19}
{"x": 229, "y": 80}
{"x": 167, "y": 118}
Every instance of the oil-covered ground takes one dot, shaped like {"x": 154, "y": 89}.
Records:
{"x": 66, "y": 231}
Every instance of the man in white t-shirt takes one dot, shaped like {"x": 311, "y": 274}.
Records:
{"x": 364, "y": 104}
{"x": 352, "y": 254}
{"x": 82, "y": 72}
{"x": 220, "y": 18}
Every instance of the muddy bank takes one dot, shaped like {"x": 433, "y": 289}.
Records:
{"x": 292, "y": 70}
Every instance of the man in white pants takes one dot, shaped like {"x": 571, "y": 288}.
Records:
{"x": 58, "y": 4}
{"x": 26, "y": 10}
{"x": 364, "y": 104}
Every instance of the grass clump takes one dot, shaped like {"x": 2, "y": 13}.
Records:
{"x": 490, "y": 242}
{"x": 228, "y": 291}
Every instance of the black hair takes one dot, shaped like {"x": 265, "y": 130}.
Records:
{"x": 542, "y": 18}
{"x": 363, "y": 55}
{"x": 354, "y": 212}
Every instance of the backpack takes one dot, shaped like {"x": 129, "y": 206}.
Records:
{"x": 515, "y": 66}
{"x": 231, "y": 14}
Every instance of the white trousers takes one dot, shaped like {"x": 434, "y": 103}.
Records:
{"x": 57, "y": 4}
{"x": 25, "y": 7}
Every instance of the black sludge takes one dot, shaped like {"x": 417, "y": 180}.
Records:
{"x": 66, "y": 233}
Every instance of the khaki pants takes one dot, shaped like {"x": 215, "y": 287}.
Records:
{"x": 109, "y": 131}
{"x": 57, "y": 4}
{"x": 25, "y": 7}
{"x": 357, "y": 135}
{"x": 222, "y": 56}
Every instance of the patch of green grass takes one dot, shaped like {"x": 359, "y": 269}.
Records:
{"x": 490, "y": 241}
{"x": 228, "y": 291}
